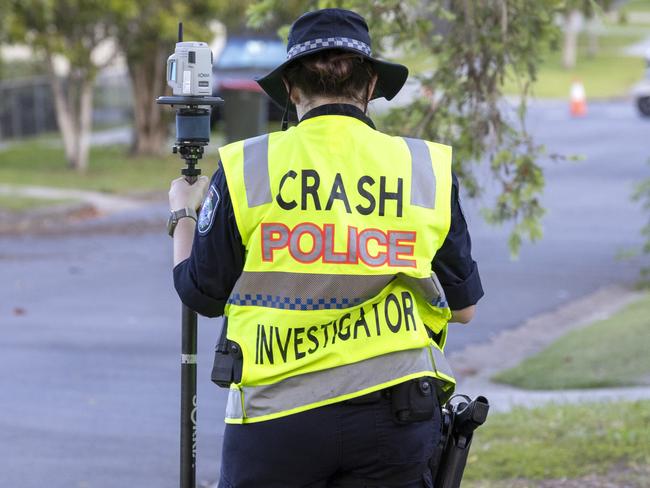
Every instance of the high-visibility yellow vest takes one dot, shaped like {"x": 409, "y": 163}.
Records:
{"x": 340, "y": 223}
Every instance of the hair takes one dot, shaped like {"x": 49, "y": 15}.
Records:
{"x": 332, "y": 73}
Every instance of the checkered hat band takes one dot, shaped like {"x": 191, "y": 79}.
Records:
{"x": 333, "y": 42}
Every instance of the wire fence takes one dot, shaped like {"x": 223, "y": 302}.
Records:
{"x": 27, "y": 108}
{"x": 27, "y": 105}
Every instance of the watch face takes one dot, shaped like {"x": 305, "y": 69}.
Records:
{"x": 171, "y": 224}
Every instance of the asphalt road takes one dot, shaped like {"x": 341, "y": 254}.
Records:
{"x": 89, "y": 324}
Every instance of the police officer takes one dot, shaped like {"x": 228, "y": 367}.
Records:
{"x": 318, "y": 244}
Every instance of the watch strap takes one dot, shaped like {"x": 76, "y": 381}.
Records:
{"x": 177, "y": 215}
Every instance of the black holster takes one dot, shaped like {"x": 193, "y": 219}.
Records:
{"x": 459, "y": 421}
{"x": 228, "y": 360}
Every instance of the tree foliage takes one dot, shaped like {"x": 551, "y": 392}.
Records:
{"x": 72, "y": 30}
{"x": 573, "y": 12}
{"x": 588, "y": 8}
{"x": 642, "y": 195}
{"x": 472, "y": 46}
{"x": 4, "y": 17}
{"x": 4, "y": 28}
{"x": 146, "y": 32}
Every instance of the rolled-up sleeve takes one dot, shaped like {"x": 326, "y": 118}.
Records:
{"x": 453, "y": 264}
{"x": 205, "y": 279}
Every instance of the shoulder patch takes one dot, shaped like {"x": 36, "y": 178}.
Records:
{"x": 208, "y": 210}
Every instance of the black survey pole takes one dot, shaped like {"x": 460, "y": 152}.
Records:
{"x": 192, "y": 135}
{"x": 188, "y": 398}
{"x": 188, "y": 375}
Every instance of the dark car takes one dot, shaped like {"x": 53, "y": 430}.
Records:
{"x": 641, "y": 90}
{"x": 241, "y": 61}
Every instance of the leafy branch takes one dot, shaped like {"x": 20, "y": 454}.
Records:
{"x": 472, "y": 47}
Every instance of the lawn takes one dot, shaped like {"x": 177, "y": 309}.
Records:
{"x": 560, "y": 441}
{"x": 41, "y": 161}
{"x": 606, "y": 75}
{"x": 637, "y": 6}
{"x": 611, "y": 352}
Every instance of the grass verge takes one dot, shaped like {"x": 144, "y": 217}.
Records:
{"x": 611, "y": 352}
{"x": 560, "y": 441}
{"x": 607, "y": 74}
{"x": 41, "y": 162}
{"x": 632, "y": 6}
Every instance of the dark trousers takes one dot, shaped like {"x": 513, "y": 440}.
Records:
{"x": 337, "y": 446}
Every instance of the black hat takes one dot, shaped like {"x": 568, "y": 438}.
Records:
{"x": 333, "y": 28}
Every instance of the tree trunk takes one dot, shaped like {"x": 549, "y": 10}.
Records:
{"x": 572, "y": 21}
{"x": 64, "y": 115}
{"x": 148, "y": 82}
{"x": 85, "y": 123}
{"x": 74, "y": 112}
{"x": 592, "y": 32}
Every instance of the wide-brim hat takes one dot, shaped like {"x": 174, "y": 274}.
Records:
{"x": 333, "y": 28}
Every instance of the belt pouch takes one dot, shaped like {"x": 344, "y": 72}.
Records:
{"x": 413, "y": 401}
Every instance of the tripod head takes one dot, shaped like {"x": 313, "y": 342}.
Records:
{"x": 189, "y": 72}
{"x": 192, "y": 129}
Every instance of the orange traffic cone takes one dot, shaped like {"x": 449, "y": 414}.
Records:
{"x": 578, "y": 104}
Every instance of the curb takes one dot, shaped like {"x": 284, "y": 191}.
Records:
{"x": 94, "y": 212}
{"x": 476, "y": 364}
{"x": 102, "y": 202}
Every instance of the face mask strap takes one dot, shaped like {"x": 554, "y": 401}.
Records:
{"x": 368, "y": 96}
{"x": 285, "y": 115}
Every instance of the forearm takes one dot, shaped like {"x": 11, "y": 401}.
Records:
{"x": 183, "y": 195}
{"x": 463, "y": 315}
{"x": 183, "y": 238}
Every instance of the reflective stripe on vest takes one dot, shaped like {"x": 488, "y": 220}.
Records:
{"x": 429, "y": 289}
{"x": 259, "y": 403}
{"x": 305, "y": 291}
{"x": 308, "y": 291}
{"x": 423, "y": 181}
{"x": 340, "y": 224}
{"x": 256, "y": 170}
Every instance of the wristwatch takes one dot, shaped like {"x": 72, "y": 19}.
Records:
{"x": 177, "y": 215}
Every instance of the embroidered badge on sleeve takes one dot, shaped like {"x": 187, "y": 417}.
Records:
{"x": 206, "y": 217}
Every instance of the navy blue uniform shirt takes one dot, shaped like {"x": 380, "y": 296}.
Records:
{"x": 204, "y": 280}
